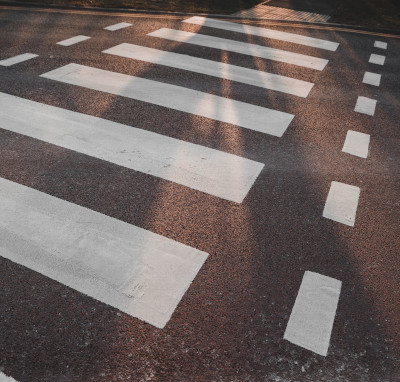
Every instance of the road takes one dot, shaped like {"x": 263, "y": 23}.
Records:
{"x": 228, "y": 214}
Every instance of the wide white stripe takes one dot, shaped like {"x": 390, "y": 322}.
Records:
{"x": 213, "y": 68}
{"x": 377, "y": 59}
{"x": 372, "y": 78}
{"x": 356, "y": 144}
{"x": 129, "y": 268}
{"x": 365, "y": 105}
{"x": 73, "y": 40}
{"x": 341, "y": 203}
{"x": 217, "y": 173}
{"x": 17, "y": 59}
{"x": 242, "y": 47}
{"x": 118, "y": 26}
{"x": 263, "y": 32}
{"x": 380, "y": 44}
{"x": 311, "y": 321}
{"x": 175, "y": 97}
{"x": 4, "y": 378}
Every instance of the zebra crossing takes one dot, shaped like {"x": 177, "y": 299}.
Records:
{"x": 148, "y": 274}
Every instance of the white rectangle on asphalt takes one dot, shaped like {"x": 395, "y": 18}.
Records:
{"x": 365, "y": 105}
{"x": 356, "y": 144}
{"x": 73, "y": 40}
{"x": 222, "y": 109}
{"x": 341, "y": 203}
{"x": 17, "y": 59}
{"x": 136, "y": 271}
{"x": 213, "y": 68}
{"x": 263, "y": 32}
{"x": 242, "y": 48}
{"x": 380, "y": 45}
{"x": 4, "y": 378}
{"x": 372, "y": 79}
{"x": 118, "y": 26}
{"x": 211, "y": 171}
{"x": 377, "y": 59}
{"x": 311, "y": 321}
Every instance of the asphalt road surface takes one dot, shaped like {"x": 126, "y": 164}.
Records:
{"x": 201, "y": 221}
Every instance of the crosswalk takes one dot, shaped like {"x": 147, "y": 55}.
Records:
{"x": 147, "y": 275}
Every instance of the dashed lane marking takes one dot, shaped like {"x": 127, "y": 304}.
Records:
{"x": 264, "y": 32}
{"x": 311, "y": 321}
{"x": 341, "y": 203}
{"x": 136, "y": 271}
{"x": 380, "y": 45}
{"x": 217, "y": 173}
{"x": 377, "y": 59}
{"x": 118, "y": 26}
{"x": 17, "y": 59}
{"x": 242, "y": 48}
{"x": 365, "y": 105}
{"x": 213, "y": 68}
{"x": 175, "y": 97}
{"x": 73, "y": 40}
{"x": 356, "y": 144}
{"x": 372, "y": 79}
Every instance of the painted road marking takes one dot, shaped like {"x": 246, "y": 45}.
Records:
{"x": 380, "y": 44}
{"x": 213, "y": 68}
{"x": 73, "y": 40}
{"x": 341, "y": 203}
{"x": 377, "y": 59}
{"x": 117, "y": 26}
{"x": 365, "y": 105}
{"x": 136, "y": 271}
{"x": 263, "y": 32}
{"x": 356, "y": 144}
{"x": 175, "y": 97}
{"x": 311, "y": 321}
{"x": 215, "y": 172}
{"x": 241, "y": 47}
{"x": 4, "y": 378}
{"x": 372, "y": 79}
{"x": 17, "y": 59}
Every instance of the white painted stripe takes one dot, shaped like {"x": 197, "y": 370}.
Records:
{"x": 311, "y": 321}
{"x": 117, "y": 26}
{"x": 264, "y": 32}
{"x": 4, "y": 378}
{"x": 213, "y": 68}
{"x": 372, "y": 79}
{"x": 341, "y": 203}
{"x": 73, "y": 40}
{"x": 17, "y": 59}
{"x": 365, "y": 105}
{"x": 143, "y": 274}
{"x": 242, "y": 47}
{"x": 356, "y": 144}
{"x": 380, "y": 44}
{"x": 217, "y": 173}
{"x": 377, "y": 59}
{"x": 175, "y": 97}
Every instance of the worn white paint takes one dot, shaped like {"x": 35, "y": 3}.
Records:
{"x": 341, "y": 203}
{"x": 356, "y": 144}
{"x": 4, "y": 378}
{"x": 377, "y": 59}
{"x": 73, "y": 40}
{"x": 17, "y": 59}
{"x": 215, "y": 172}
{"x": 372, "y": 79}
{"x": 380, "y": 45}
{"x": 213, "y": 68}
{"x": 263, "y": 32}
{"x": 175, "y": 97}
{"x": 136, "y": 271}
{"x": 118, "y": 26}
{"x": 241, "y": 47}
{"x": 365, "y": 105}
{"x": 311, "y": 321}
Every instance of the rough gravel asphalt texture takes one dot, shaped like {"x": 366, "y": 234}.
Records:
{"x": 229, "y": 325}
